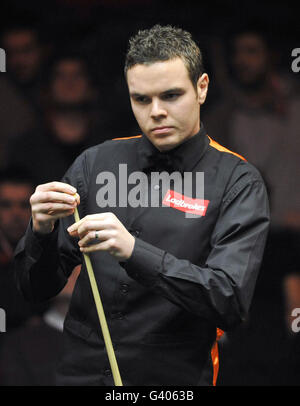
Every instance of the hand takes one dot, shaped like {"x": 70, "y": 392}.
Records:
{"x": 50, "y": 202}
{"x": 111, "y": 235}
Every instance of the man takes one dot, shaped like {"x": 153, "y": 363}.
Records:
{"x": 20, "y": 87}
{"x": 15, "y": 191}
{"x": 257, "y": 116}
{"x": 25, "y": 53}
{"x": 70, "y": 81}
{"x": 29, "y": 354}
{"x": 68, "y": 125}
{"x": 171, "y": 273}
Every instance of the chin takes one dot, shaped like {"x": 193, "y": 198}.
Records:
{"x": 166, "y": 144}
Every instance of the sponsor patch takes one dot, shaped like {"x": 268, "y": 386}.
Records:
{"x": 187, "y": 204}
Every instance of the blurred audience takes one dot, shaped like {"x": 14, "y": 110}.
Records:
{"x": 24, "y": 56}
{"x": 15, "y": 191}
{"x": 256, "y": 113}
{"x": 264, "y": 350}
{"x": 70, "y": 82}
{"x": 20, "y": 85}
{"x": 52, "y": 110}
{"x": 72, "y": 121}
{"x": 291, "y": 285}
{"x": 48, "y": 151}
{"x": 29, "y": 355}
{"x": 258, "y": 117}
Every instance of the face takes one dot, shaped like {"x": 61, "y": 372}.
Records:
{"x": 14, "y": 210}
{"x": 23, "y": 54}
{"x": 165, "y": 103}
{"x": 250, "y": 60}
{"x": 69, "y": 128}
{"x": 70, "y": 83}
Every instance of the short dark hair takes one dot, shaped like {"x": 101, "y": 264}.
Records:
{"x": 19, "y": 27}
{"x": 162, "y": 43}
{"x": 16, "y": 175}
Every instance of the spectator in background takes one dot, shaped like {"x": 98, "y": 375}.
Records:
{"x": 265, "y": 349}
{"x": 15, "y": 191}
{"x": 291, "y": 285}
{"x": 70, "y": 81}
{"x": 29, "y": 354}
{"x": 258, "y": 116}
{"x": 48, "y": 151}
{"x": 24, "y": 56}
{"x": 20, "y": 85}
{"x": 73, "y": 121}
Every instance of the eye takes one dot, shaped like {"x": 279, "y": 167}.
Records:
{"x": 141, "y": 99}
{"x": 170, "y": 96}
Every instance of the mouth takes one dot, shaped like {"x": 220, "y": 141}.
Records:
{"x": 161, "y": 130}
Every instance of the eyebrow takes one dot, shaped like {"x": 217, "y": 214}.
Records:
{"x": 173, "y": 90}
{"x": 165, "y": 92}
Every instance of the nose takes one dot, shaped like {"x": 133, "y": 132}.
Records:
{"x": 158, "y": 111}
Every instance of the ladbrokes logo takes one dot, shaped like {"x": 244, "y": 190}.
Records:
{"x": 186, "y": 204}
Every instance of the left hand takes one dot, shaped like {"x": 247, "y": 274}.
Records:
{"x": 110, "y": 233}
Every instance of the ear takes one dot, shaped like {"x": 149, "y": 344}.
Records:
{"x": 202, "y": 87}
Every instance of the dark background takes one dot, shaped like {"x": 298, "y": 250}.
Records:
{"x": 262, "y": 352}
{"x": 101, "y": 28}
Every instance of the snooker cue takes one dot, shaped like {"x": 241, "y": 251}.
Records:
{"x": 101, "y": 315}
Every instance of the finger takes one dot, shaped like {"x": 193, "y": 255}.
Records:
{"x": 90, "y": 237}
{"x": 52, "y": 208}
{"x": 77, "y": 198}
{"x": 88, "y": 226}
{"x": 42, "y": 217}
{"x": 63, "y": 214}
{"x": 58, "y": 187}
{"x": 102, "y": 246}
{"x": 43, "y": 197}
{"x": 73, "y": 228}
{"x": 102, "y": 217}
{"x": 91, "y": 225}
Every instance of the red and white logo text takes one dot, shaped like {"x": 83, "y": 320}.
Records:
{"x": 184, "y": 203}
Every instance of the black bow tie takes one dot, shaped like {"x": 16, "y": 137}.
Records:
{"x": 162, "y": 161}
{"x": 179, "y": 159}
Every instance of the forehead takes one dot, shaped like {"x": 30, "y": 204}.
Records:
{"x": 16, "y": 38}
{"x": 158, "y": 77}
{"x": 14, "y": 191}
{"x": 69, "y": 65}
{"x": 249, "y": 40}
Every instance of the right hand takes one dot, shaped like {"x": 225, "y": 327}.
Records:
{"x": 50, "y": 202}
